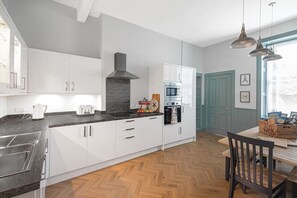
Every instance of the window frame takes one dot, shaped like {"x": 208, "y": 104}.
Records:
{"x": 262, "y": 72}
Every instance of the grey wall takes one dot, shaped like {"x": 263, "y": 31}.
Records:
{"x": 220, "y": 57}
{"x": 45, "y": 24}
{"x": 144, "y": 48}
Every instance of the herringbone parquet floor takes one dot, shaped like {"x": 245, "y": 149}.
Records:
{"x": 191, "y": 170}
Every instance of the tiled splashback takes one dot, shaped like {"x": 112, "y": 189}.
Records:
{"x": 117, "y": 95}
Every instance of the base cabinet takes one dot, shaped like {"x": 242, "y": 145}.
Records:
{"x": 172, "y": 133}
{"x": 79, "y": 146}
{"x": 152, "y": 132}
{"x": 67, "y": 149}
{"x": 101, "y": 142}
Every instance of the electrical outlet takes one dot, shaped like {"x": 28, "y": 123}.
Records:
{"x": 18, "y": 110}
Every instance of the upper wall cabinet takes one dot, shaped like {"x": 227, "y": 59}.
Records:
{"x": 13, "y": 57}
{"x": 51, "y": 72}
{"x": 172, "y": 73}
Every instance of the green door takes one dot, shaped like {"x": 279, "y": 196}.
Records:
{"x": 219, "y": 94}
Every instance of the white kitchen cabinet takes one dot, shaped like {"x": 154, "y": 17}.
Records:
{"x": 172, "y": 73}
{"x": 85, "y": 75}
{"x": 67, "y": 149}
{"x": 12, "y": 56}
{"x": 172, "y": 133}
{"x": 51, "y": 72}
{"x": 78, "y": 146}
{"x": 129, "y": 136}
{"x": 186, "y": 76}
{"x": 101, "y": 142}
{"x": 188, "y": 88}
{"x": 48, "y": 72}
{"x": 152, "y": 132}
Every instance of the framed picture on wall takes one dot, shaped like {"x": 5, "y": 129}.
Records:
{"x": 245, "y": 79}
{"x": 245, "y": 97}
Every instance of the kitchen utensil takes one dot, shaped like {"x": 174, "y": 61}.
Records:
{"x": 38, "y": 111}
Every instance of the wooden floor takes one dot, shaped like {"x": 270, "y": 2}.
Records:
{"x": 191, "y": 170}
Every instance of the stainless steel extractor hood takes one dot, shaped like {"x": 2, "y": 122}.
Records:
{"x": 120, "y": 68}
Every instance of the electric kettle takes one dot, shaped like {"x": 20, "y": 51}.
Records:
{"x": 38, "y": 111}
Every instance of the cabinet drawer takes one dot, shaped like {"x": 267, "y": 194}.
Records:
{"x": 128, "y": 144}
{"x": 128, "y": 127}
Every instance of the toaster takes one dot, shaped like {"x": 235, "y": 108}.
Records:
{"x": 85, "y": 110}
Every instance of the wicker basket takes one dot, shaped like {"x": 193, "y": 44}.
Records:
{"x": 272, "y": 129}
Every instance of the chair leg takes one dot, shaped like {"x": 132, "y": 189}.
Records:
{"x": 294, "y": 189}
{"x": 243, "y": 189}
{"x": 227, "y": 168}
{"x": 232, "y": 187}
{"x": 265, "y": 161}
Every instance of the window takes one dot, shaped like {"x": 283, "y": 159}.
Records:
{"x": 279, "y": 79}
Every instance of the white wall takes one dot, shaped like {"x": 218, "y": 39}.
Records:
{"x": 3, "y": 106}
{"x": 144, "y": 48}
{"x": 220, "y": 57}
{"x": 55, "y": 103}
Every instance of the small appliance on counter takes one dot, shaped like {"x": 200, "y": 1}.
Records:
{"x": 38, "y": 111}
{"x": 85, "y": 110}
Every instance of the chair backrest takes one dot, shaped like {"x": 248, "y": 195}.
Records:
{"x": 247, "y": 161}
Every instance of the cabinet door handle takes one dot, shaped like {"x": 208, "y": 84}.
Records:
{"x": 85, "y": 131}
{"x": 130, "y": 129}
{"x": 130, "y": 137}
{"x": 130, "y": 121}
{"x": 11, "y": 80}
{"x": 66, "y": 86}
{"x": 153, "y": 118}
{"x": 23, "y": 83}
{"x": 15, "y": 80}
{"x": 72, "y": 86}
{"x": 90, "y": 130}
{"x": 179, "y": 130}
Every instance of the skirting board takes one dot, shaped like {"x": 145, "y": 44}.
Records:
{"x": 86, "y": 170}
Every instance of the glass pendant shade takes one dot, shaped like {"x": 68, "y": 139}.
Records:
{"x": 260, "y": 50}
{"x": 272, "y": 56}
{"x": 243, "y": 40}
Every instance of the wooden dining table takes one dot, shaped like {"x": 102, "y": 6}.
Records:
{"x": 287, "y": 155}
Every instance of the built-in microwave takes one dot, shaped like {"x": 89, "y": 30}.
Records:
{"x": 172, "y": 91}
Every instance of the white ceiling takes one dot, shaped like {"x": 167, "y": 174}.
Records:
{"x": 200, "y": 22}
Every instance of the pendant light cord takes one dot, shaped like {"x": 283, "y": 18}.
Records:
{"x": 243, "y": 11}
{"x": 271, "y": 17}
{"x": 260, "y": 19}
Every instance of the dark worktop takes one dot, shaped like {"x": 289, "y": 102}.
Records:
{"x": 15, "y": 124}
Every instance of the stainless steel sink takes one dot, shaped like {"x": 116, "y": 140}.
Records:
{"x": 17, "y": 153}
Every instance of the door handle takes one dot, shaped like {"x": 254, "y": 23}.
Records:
{"x": 153, "y": 118}
{"x": 23, "y": 83}
{"x": 66, "y": 86}
{"x": 130, "y": 137}
{"x": 130, "y": 121}
{"x": 90, "y": 130}
{"x": 72, "y": 86}
{"x": 130, "y": 129}
{"x": 85, "y": 131}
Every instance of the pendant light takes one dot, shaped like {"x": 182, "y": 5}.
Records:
{"x": 260, "y": 50}
{"x": 272, "y": 56}
{"x": 243, "y": 40}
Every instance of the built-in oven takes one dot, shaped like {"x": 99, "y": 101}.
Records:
{"x": 172, "y": 112}
{"x": 172, "y": 91}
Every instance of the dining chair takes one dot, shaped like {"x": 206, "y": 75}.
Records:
{"x": 252, "y": 173}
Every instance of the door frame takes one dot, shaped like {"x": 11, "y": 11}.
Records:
{"x": 206, "y": 76}
{"x": 200, "y": 75}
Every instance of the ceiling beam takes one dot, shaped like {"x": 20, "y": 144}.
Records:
{"x": 83, "y": 10}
